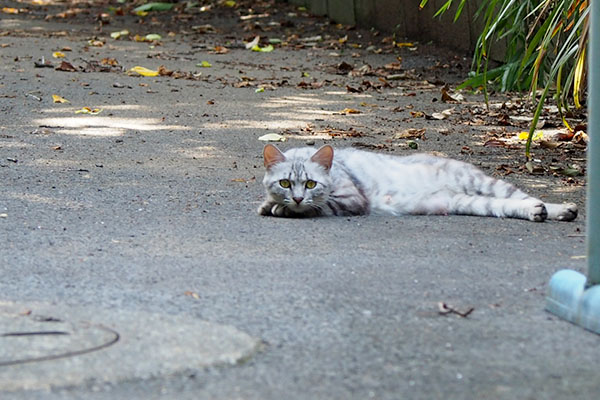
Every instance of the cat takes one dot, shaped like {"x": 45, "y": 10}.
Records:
{"x": 303, "y": 182}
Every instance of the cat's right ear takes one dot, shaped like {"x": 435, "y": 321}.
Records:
{"x": 272, "y": 156}
{"x": 324, "y": 157}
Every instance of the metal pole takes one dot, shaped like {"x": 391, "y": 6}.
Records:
{"x": 593, "y": 156}
{"x": 571, "y": 295}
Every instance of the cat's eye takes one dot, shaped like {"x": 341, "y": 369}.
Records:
{"x": 310, "y": 184}
{"x": 284, "y": 183}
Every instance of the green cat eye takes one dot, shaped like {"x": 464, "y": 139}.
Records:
{"x": 311, "y": 184}
{"x": 285, "y": 183}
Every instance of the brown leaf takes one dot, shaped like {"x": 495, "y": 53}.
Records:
{"x": 448, "y": 98}
{"x": 220, "y": 50}
{"x": 565, "y": 137}
{"x": 66, "y": 66}
{"x": 351, "y": 89}
{"x": 495, "y": 143}
{"x": 109, "y": 61}
{"x": 549, "y": 145}
{"x": 162, "y": 71}
{"x": 343, "y": 68}
{"x": 394, "y": 66}
{"x": 411, "y": 133}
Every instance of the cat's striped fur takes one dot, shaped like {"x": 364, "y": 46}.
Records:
{"x": 303, "y": 182}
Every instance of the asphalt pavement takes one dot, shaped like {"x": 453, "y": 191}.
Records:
{"x": 134, "y": 264}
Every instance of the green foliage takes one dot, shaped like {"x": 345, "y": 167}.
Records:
{"x": 546, "y": 44}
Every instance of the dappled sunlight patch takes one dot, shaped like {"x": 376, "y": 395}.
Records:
{"x": 287, "y": 101}
{"x": 47, "y": 162}
{"x": 345, "y": 94}
{"x": 52, "y": 201}
{"x": 99, "y": 131}
{"x": 105, "y": 126}
{"x": 108, "y": 108}
{"x": 259, "y": 125}
{"x": 200, "y": 152}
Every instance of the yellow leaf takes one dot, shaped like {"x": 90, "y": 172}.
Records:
{"x": 88, "y": 110}
{"x": 350, "y": 111}
{"x": 204, "y": 64}
{"x": 267, "y": 49}
{"x": 143, "y": 71}
{"x": 58, "y": 54}
{"x": 578, "y": 78}
{"x": 152, "y": 36}
{"x": 10, "y": 10}
{"x": 57, "y": 99}
{"x": 229, "y": 3}
{"x": 536, "y": 136}
{"x": 95, "y": 43}
{"x": 117, "y": 35}
{"x": 405, "y": 44}
{"x": 141, "y": 13}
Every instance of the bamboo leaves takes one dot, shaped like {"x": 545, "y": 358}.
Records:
{"x": 545, "y": 49}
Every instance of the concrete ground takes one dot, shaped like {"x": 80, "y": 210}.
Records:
{"x": 141, "y": 220}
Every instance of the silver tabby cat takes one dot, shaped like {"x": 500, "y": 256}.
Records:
{"x": 303, "y": 182}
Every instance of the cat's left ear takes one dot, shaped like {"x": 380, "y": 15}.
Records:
{"x": 324, "y": 157}
{"x": 272, "y": 156}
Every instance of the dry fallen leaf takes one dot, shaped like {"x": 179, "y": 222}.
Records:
{"x": 117, "y": 35}
{"x": 220, "y": 50}
{"x": 109, "y": 61}
{"x": 88, "y": 110}
{"x": 350, "y": 111}
{"x": 57, "y": 99}
{"x": 250, "y": 45}
{"x": 272, "y": 137}
{"x": 411, "y": 133}
{"x": 66, "y": 66}
{"x": 192, "y": 294}
{"x": 536, "y": 136}
{"x": 448, "y": 98}
{"x": 143, "y": 71}
{"x": 444, "y": 114}
{"x": 10, "y": 10}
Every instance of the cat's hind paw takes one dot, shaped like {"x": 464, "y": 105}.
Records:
{"x": 538, "y": 213}
{"x": 562, "y": 212}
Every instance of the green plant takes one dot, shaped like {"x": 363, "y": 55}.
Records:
{"x": 546, "y": 44}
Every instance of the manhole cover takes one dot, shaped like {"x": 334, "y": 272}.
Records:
{"x": 44, "y": 346}
{"x": 27, "y": 338}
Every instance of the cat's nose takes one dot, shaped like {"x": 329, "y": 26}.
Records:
{"x": 298, "y": 200}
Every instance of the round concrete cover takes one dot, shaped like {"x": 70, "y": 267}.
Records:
{"x": 43, "y": 346}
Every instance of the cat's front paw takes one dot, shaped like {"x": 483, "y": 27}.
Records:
{"x": 265, "y": 208}
{"x": 269, "y": 208}
{"x": 279, "y": 211}
{"x": 538, "y": 212}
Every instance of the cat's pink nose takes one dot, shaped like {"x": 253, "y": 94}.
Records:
{"x": 298, "y": 200}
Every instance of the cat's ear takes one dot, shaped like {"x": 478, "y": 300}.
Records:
{"x": 324, "y": 156}
{"x": 272, "y": 156}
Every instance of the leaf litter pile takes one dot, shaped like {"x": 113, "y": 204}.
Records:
{"x": 399, "y": 93}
